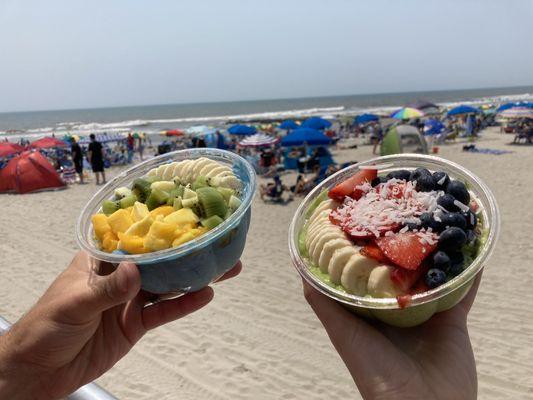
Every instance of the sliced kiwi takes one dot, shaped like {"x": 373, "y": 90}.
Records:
{"x": 177, "y": 203}
{"x": 177, "y": 192}
{"x": 226, "y": 193}
{"x": 199, "y": 182}
{"x": 141, "y": 189}
{"x": 211, "y": 202}
{"x": 211, "y": 222}
{"x": 190, "y": 202}
{"x": 234, "y": 202}
{"x": 127, "y": 201}
{"x": 157, "y": 198}
{"x": 152, "y": 179}
{"x": 109, "y": 206}
{"x": 188, "y": 193}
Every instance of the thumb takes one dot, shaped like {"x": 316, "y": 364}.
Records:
{"x": 110, "y": 290}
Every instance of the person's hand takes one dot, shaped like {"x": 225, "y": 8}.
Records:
{"x": 431, "y": 361}
{"x": 82, "y": 326}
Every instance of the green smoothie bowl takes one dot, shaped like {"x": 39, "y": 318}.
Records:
{"x": 396, "y": 238}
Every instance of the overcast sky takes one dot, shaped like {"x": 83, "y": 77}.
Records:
{"x": 58, "y": 54}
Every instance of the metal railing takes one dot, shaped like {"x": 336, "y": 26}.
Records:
{"x": 90, "y": 391}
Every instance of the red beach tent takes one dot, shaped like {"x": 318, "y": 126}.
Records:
{"x": 28, "y": 172}
{"x": 8, "y": 148}
{"x": 47, "y": 143}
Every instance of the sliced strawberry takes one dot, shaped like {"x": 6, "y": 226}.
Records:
{"x": 348, "y": 187}
{"x": 403, "y": 300}
{"x": 373, "y": 251}
{"x": 405, "y": 279}
{"x": 405, "y": 249}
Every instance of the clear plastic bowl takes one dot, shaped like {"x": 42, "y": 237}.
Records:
{"x": 195, "y": 264}
{"x": 423, "y": 305}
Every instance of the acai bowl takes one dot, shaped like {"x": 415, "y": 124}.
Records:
{"x": 396, "y": 238}
{"x": 181, "y": 217}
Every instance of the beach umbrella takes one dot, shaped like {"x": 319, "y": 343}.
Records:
{"x": 8, "y": 149}
{"x": 316, "y": 123}
{"x": 422, "y": 105}
{"x": 433, "y": 127}
{"x": 463, "y": 109}
{"x": 172, "y": 132}
{"x": 28, "y": 172}
{"x": 258, "y": 140}
{"x": 242, "y": 130}
{"x": 198, "y": 129}
{"x": 288, "y": 124}
{"x": 407, "y": 113}
{"x": 301, "y": 136}
{"x": 506, "y": 106}
{"x": 517, "y": 113}
{"x": 48, "y": 143}
{"x": 365, "y": 118}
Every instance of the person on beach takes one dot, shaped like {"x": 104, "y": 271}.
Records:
{"x": 91, "y": 316}
{"x": 130, "y": 143}
{"x": 95, "y": 156}
{"x": 77, "y": 158}
{"x": 140, "y": 147}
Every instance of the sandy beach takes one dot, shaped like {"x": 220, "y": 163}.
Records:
{"x": 258, "y": 339}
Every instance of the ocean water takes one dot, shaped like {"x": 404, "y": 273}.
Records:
{"x": 157, "y": 117}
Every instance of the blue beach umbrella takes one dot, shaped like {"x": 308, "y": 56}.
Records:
{"x": 463, "y": 109}
{"x": 365, "y": 118}
{"x": 301, "y": 136}
{"x": 433, "y": 127}
{"x": 288, "y": 124}
{"x": 316, "y": 123}
{"x": 242, "y": 130}
{"x": 506, "y": 106}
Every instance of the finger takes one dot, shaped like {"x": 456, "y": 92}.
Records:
{"x": 467, "y": 302}
{"x": 169, "y": 310}
{"x": 236, "y": 270}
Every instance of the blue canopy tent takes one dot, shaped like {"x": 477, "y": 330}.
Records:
{"x": 288, "y": 124}
{"x": 365, "y": 118}
{"x": 316, "y": 123}
{"x": 463, "y": 109}
{"x": 242, "y": 130}
{"x": 301, "y": 136}
{"x": 433, "y": 127}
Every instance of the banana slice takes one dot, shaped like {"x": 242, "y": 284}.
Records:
{"x": 231, "y": 182}
{"x": 328, "y": 250}
{"x": 167, "y": 173}
{"x": 152, "y": 172}
{"x": 165, "y": 186}
{"x": 161, "y": 170}
{"x": 354, "y": 277}
{"x": 321, "y": 242}
{"x": 198, "y": 165}
{"x": 325, "y": 205}
{"x": 208, "y": 167}
{"x": 218, "y": 170}
{"x": 186, "y": 172}
{"x": 380, "y": 283}
{"x": 338, "y": 261}
{"x": 317, "y": 236}
{"x": 178, "y": 170}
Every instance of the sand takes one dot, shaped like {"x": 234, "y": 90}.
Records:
{"x": 259, "y": 339}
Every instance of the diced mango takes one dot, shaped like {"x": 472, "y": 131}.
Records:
{"x": 162, "y": 230}
{"x": 140, "y": 228}
{"x": 139, "y": 211}
{"x": 131, "y": 244}
{"x": 100, "y": 225}
{"x": 154, "y": 244}
{"x": 120, "y": 221}
{"x": 182, "y": 217}
{"x": 184, "y": 238}
{"x": 162, "y": 210}
{"x": 129, "y": 209}
{"x": 109, "y": 242}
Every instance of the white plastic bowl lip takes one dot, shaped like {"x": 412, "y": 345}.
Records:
{"x": 84, "y": 229}
{"x": 481, "y": 191}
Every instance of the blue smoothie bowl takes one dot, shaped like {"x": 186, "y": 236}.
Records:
{"x": 195, "y": 264}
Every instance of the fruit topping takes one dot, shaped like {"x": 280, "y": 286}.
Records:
{"x": 435, "y": 277}
{"x": 409, "y": 249}
{"x": 351, "y": 186}
{"x": 452, "y": 238}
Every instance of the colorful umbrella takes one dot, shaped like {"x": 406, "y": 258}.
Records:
{"x": 517, "y": 113}
{"x": 242, "y": 130}
{"x": 407, "y": 113}
{"x": 307, "y": 136}
{"x": 8, "y": 149}
{"x": 316, "y": 123}
{"x": 257, "y": 140}
{"x": 365, "y": 118}
{"x": 48, "y": 143}
{"x": 463, "y": 109}
{"x": 288, "y": 124}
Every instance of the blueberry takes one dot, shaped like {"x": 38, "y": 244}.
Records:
{"x": 427, "y": 221}
{"x": 455, "y": 270}
{"x": 441, "y": 260}
{"x": 435, "y": 277}
{"x": 470, "y": 218}
{"x": 458, "y": 190}
{"x": 456, "y": 258}
{"x": 441, "y": 180}
{"x": 376, "y": 181}
{"x": 453, "y": 219}
{"x": 417, "y": 173}
{"x": 401, "y": 174}
{"x": 452, "y": 238}
{"x": 447, "y": 202}
{"x": 425, "y": 183}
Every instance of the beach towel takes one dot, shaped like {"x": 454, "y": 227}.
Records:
{"x": 473, "y": 149}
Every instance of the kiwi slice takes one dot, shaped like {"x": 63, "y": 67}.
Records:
{"x": 127, "y": 201}
{"x": 152, "y": 179}
{"x": 211, "y": 222}
{"x": 234, "y": 202}
{"x": 109, "y": 206}
{"x": 200, "y": 182}
{"x": 141, "y": 189}
{"x": 177, "y": 192}
{"x": 211, "y": 202}
{"x": 191, "y": 202}
{"x": 157, "y": 198}
{"x": 226, "y": 193}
